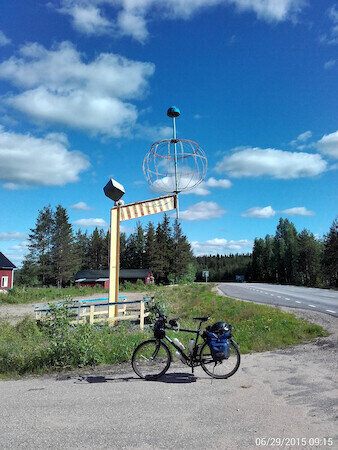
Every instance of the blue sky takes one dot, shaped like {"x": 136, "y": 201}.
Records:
{"x": 84, "y": 90}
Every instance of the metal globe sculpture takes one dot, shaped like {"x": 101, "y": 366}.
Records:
{"x": 174, "y": 165}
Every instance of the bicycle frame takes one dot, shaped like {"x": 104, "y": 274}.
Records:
{"x": 188, "y": 358}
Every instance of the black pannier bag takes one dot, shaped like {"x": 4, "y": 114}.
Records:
{"x": 218, "y": 337}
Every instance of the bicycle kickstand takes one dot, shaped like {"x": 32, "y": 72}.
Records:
{"x": 213, "y": 370}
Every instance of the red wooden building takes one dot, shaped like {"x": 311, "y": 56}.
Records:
{"x": 101, "y": 277}
{"x": 6, "y": 273}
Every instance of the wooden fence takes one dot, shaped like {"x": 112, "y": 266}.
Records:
{"x": 94, "y": 311}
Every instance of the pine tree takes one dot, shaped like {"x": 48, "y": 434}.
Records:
{"x": 269, "y": 260}
{"x": 123, "y": 255}
{"x": 139, "y": 247}
{"x": 182, "y": 254}
{"x": 309, "y": 259}
{"x": 330, "y": 255}
{"x": 96, "y": 250}
{"x": 65, "y": 260}
{"x": 105, "y": 250}
{"x": 150, "y": 248}
{"x": 135, "y": 247}
{"x": 291, "y": 253}
{"x": 258, "y": 264}
{"x": 164, "y": 254}
{"x": 82, "y": 242}
{"x": 40, "y": 245}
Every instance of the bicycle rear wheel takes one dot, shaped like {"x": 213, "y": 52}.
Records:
{"x": 222, "y": 369}
{"x": 151, "y": 359}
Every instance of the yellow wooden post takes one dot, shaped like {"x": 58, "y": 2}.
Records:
{"x": 141, "y": 315}
{"x": 91, "y": 314}
{"x": 114, "y": 264}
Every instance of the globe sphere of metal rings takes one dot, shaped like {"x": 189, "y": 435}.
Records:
{"x": 159, "y": 165}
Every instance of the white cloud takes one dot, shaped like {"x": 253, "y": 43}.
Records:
{"x": 81, "y": 206}
{"x": 130, "y": 17}
{"x": 304, "y": 136}
{"x": 132, "y": 25}
{"x": 329, "y": 64}
{"x": 12, "y": 186}
{"x": 199, "y": 190}
{"x": 222, "y": 183}
{"x": 202, "y": 188}
{"x": 153, "y": 133}
{"x": 12, "y": 236}
{"x": 60, "y": 87}
{"x": 202, "y": 211}
{"x": 26, "y": 160}
{"x": 90, "y": 223}
{"x": 16, "y": 253}
{"x": 4, "y": 40}
{"x": 328, "y": 144}
{"x": 186, "y": 183}
{"x": 167, "y": 184}
{"x": 271, "y": 10}
{"x": 279, "y": 164}
{"x": 87, "y": 18}
{"x": 298, "y": 211}
{"x": 221, "y": 246}
{"x": 259, "y": 213}
{"x": 332, "y": 36}
{"x": 300, "y": 141}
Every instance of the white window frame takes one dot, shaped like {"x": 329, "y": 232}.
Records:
{"x": 3, "y": 279}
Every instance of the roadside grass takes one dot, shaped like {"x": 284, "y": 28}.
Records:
{"x": 27, "y": 348}
{"x": 255, "y": 327}
{"x": 25, "y": 294}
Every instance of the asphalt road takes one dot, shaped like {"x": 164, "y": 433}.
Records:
{"x": 322, "y": 300}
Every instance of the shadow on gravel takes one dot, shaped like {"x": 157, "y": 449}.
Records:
{"x": 103, "y": 379}
{"x": 175, "y": 378}
{"x": 179, "y": 378}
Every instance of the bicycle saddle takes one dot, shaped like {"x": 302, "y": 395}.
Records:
{"x": 202, "y": 319}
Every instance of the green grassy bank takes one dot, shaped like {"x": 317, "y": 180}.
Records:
{"x": 27, "y": 348}
{"x": 23, "y": 294}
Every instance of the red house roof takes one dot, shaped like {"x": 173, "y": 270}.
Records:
{"x": 5, "y": 262}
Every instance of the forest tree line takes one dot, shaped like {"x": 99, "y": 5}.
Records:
{"x": 288, "y": 257}
{"x": 56, "y": 253}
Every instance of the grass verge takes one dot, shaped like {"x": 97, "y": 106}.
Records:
{"x": 27, "y": 348}
{"x": 25, "y": 294}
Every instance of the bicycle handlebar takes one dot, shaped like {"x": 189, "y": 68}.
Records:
{"x": 160, "y": 313}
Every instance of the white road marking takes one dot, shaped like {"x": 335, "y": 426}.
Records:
{"x": 272, "y": 295}
{"x": 286, "y": 298}
{"x": 312, "y": 306}
{"x": 298, "y": 301}
{"x": 278, "y": 296}
{"x": 330, "y": 310}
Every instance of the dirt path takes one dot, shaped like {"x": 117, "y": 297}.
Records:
{"x": 16, "y": 312}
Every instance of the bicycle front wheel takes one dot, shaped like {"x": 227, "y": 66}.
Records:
{"x": 221, "y": 369}
{"x": 151, "y": 359}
